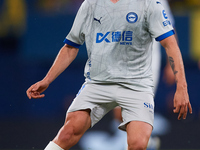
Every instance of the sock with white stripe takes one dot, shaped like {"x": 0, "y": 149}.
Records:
{"x": 53, "y": 146}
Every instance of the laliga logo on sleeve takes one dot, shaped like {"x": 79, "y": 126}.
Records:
{"x": 166, "y": 22}
{"x": 164, "y": 14}
{"x": 131, "y": 17}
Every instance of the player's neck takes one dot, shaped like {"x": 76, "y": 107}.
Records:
{"x": 114, "y": 1}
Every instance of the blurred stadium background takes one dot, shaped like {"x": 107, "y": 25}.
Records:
{"x": 31, "y": 34}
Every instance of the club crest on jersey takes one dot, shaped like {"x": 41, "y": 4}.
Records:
{"x": 131, "y": 17}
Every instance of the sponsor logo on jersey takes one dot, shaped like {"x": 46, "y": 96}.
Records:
{"x": 131, "y": 17}
{"x": 123, "y": 37}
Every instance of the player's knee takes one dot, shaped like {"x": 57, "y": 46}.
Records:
{"x": 64, "y": 135}
{"x": 71, "y": 132}
{"x": 67, "y": 133}
{"x": 67, "y": 137}
{"x": 137, "y": 144}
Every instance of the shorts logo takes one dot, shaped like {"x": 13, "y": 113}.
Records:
{"x": 131, "y": 17}
{"x": 148, "y": 105}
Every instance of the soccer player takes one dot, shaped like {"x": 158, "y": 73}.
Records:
{"x": 118, "y": 36}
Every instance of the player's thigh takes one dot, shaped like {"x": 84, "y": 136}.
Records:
{"x": 138, "y": 133}
{"x": 136, "y": 106}
{"x": 96, "y": 97}
{"x": 80, "y": 120}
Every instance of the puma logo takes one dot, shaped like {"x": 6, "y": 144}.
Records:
{"x": 98, "y": 20}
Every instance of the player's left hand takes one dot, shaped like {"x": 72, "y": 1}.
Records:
{"x": 182, "y": 103}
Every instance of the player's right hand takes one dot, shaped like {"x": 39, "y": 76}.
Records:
{"x": 36, "y": 89}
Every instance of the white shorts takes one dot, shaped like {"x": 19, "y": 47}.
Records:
{"x": 101, "y": 98}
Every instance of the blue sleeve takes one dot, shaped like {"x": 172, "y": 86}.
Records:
{"x": 162, "y": 37}
{"x": 66, "y": 41}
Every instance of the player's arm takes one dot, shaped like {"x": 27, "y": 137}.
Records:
{"x": 64, "y": 58}
{"x": 168, "y": 73}
{"x": 181, "y": 98}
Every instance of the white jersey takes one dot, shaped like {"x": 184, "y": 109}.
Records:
{"x": 119, "y": 38}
